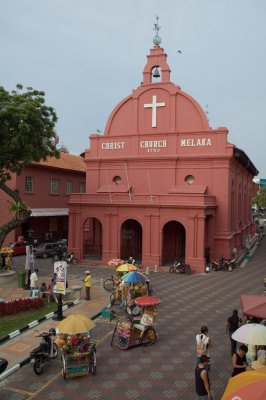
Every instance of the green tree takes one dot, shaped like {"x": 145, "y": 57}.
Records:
{"x": 260, "y": 198}
{"x": 26, "y": 135}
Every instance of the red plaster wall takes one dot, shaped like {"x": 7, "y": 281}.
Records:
{"x": 41, "y": 197}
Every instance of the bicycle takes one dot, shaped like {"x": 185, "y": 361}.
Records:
{"x": 108, "y": 284}
{"x": 111, "y": 283}
{"x": 180, "y": 268}
{"x": 116, "y": 297}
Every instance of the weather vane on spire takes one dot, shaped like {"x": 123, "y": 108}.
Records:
{"x": 157, "y": 40}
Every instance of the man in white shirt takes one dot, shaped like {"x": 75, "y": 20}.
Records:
{"x": 203, "y": 343}
{"x": 33, "y": 281}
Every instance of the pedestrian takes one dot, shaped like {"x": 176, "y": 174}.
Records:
{"x": 233, "y": 323}
{"x": 202, "y": 379}
{"x": 33, "y": 281}
{"x": 131, "y": 260}
{"x": 261, "y": 352}
{"x": 44, "y": 291}
{"x": 239, "y": 360}
{"x": 52, "y": 294}
{"x": 252, "y": 353}
{"x": 123, "y": 289}
{"x": 203, "y": 344}
{"x": 87, "y": 281}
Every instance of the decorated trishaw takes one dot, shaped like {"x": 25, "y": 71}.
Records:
{"x": 137, "y": 286}
{"x": 119, "y": 291}
{"x": 132, "y": 331}
{"x": 78, "y": 351}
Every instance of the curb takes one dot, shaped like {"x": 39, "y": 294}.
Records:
{"x": 27, "y": 360}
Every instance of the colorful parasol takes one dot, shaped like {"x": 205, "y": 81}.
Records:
{"x": 115, "y": 262}
{"x": 135, "y": 277}
{"x": 75, "y": 323}
{"x": 147, "y": 301}
{"x": 126, "y": 268}
{"x": 247, "y": 385}
{"x": 251, "y": 334}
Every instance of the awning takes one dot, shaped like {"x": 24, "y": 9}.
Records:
{"x": 254, "y": 305}
{"x": 48, "y": 212}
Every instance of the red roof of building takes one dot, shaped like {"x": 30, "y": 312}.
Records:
{"x": 66, "y": 161}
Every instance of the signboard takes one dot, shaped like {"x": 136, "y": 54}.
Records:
{"x": 29, "y": 262}
{"x": 60, "y": 275}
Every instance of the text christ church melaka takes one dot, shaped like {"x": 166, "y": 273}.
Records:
{"x": 161, "y": 184}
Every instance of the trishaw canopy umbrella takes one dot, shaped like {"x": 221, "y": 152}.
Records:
{"x": 135, "y": 277}
{"x": 115, "y": 262}
{"x": 75, "y": 323}
{"x": 126, "y": 268}
{"x": 147, "y": 301}
{"x": 254, "y": 305}
{"x": 251, "y": 334}
{"x": 247, "y": 385}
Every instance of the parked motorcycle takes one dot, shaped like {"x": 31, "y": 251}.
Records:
{"x": 3, "y": 365}
{"x": 223, "y": 264}
{"x": 260, "y": 238}
{"x": 70, "y": 258}
{"x": 180, "y": 268}
{"x": 132, "y": 261}
{"x": 46, "y": 351}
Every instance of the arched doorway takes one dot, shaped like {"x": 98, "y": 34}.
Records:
{"x": 92, "y": 234}
{"x": 131, "y": 240}
{"x": 174, "y": 242}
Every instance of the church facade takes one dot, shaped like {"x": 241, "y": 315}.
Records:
{"x": 161, "y": 184}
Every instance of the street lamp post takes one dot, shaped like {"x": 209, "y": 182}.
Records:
{"x": 59, "y": 315}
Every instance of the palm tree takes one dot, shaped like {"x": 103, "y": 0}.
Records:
{"x": 18, "y": 209}
{"x": 260, "y": 198}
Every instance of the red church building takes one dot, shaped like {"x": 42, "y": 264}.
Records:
{"x": 161, "y": 184}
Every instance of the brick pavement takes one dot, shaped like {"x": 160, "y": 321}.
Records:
{"x": 166, "y": 369}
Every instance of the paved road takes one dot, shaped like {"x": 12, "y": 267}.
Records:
{"x": 166, "y": 369}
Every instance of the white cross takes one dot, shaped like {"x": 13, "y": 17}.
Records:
{"x": 154, "y": 105}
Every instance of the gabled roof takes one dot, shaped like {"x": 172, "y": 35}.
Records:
{"x": 66, "y": 161}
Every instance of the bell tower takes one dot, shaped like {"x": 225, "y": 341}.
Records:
{"x": 156, "y": 66}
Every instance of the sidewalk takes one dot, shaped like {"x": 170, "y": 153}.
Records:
{"x": 17, "y": 349}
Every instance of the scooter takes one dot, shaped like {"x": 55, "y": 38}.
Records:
{"x": 180, "y": 268}
{"x": 70, "y": 258}
{"x": 46, "y": 351}
{"x": 260, "y": 238}
{"x": 132, "y": 261}
{"x": 223, "y": 264}
{"x": 3, "y": 365}
{"x": 231, "y": 262}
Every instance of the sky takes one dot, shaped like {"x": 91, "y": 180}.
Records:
{"x": 88, "y": 55}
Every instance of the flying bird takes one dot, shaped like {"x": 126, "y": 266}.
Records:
{"x": 179, "y": 51}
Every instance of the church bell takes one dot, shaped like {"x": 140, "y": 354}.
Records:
{"x": 156, "y": 73}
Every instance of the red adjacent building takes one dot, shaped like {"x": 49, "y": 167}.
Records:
{"x": 45, "y": 187}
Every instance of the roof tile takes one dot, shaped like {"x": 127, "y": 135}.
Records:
{"x": 66, "y": 161}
